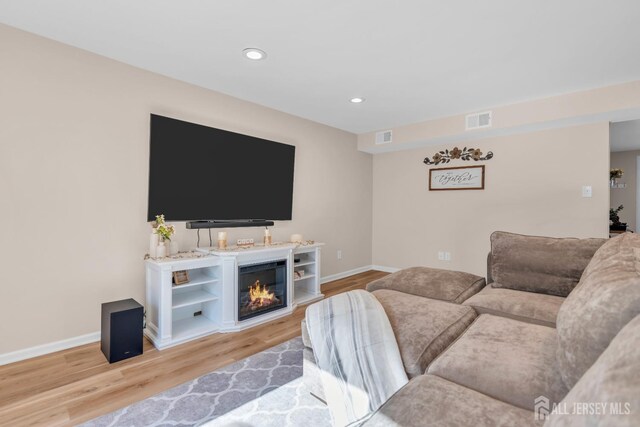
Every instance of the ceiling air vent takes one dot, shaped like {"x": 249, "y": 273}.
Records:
{"x": 478, "y": 120}
{"x": 383, "y": 137}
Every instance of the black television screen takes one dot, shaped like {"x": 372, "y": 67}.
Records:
{"x": 202, "y": 173}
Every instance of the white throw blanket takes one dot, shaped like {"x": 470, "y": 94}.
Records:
{"x": 357, "y": 354}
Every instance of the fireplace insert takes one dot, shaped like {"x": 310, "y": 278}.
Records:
{"x": 262, "y": 288}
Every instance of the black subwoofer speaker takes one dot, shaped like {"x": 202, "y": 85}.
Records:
{"x": 121, "y": 329}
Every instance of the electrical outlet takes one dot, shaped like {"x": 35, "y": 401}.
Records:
{"x": 447, "y": 256}
{"x": 339, "y": 254}
{"x": 440, "y": 256}
{"x": 444, "y": 256}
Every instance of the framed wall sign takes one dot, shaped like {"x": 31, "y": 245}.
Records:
{"x": 460, "y": 178}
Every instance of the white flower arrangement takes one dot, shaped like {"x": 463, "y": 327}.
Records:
{"x": 162, "y": 229}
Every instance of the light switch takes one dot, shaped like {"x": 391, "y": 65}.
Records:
{"x": 587, "y": 191}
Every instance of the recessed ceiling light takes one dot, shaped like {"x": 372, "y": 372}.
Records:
{"x": 356, "y": 100}
{"x": 254, "y": 54}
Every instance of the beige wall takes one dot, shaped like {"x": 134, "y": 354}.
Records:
{"x": 627, "y": 161}
{"x": 533, "y": 186}
{"x": 74, "y": 136}
{"x": 74, "y": 165}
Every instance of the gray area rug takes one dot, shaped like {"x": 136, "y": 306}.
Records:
{"x": 265, "y": 389}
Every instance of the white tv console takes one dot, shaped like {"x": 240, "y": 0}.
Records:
{"x": 208, "y": 303}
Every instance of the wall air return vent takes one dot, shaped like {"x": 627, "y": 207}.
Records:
{"x": 478, "y": 120}
{"x": 384, "y": 137}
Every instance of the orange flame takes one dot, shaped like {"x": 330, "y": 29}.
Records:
{"x": 260, "y": 295}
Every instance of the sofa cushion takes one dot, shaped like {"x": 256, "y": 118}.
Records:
{"x": 445, "y": 285}
{"x": 506, "y": 359}
{"x": 525, "y": 306}
{"x": 612, "y": 379}
{"x": 423, "y": 327}
{"x": 606, "y": 299}
{"x": 433, "y": 401}
{"x": 539, "y": 264}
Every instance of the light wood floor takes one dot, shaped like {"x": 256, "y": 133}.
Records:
{"x": 76, "y": 385}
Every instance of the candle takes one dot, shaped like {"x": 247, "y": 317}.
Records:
{"x": 267, "y": 236}
{"x": 222, "y": 239}
{"x": 267, "y": 233}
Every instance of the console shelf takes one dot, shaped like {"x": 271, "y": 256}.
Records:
{"x": 208, "y": 302}
{"x": 186, "y": 329}
{"x": 178, "y": 313}
{"x": 306, "y": 289}
{"x": 302, "y": 264}
{"x": 196, "y": 278}
{"x": 186, "y": 299}
{"x": 303, "y": 297}
{"x": 194, "y": 284}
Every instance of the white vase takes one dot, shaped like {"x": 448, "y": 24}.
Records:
{"x": 173, "y": 247}
{"x": 153, "y": 245}
{"x": 161, "y": 252}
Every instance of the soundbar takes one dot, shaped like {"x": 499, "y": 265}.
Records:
{"x": 193, "y": 225}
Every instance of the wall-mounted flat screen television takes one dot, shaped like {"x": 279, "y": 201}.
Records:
{"x": 201, "y": 173}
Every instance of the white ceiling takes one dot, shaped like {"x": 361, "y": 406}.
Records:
{"x": 625, "y": 136}
{"x": 412, "y": 60}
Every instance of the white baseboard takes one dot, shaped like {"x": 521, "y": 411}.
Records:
{"x": 385, "y": 269}
{"x": 344, "y": 274}
{"x": 39, "y": 350}
{"x": 358, "y": 270}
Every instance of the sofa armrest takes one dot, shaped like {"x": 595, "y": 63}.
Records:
{"x": 489, "y": 276}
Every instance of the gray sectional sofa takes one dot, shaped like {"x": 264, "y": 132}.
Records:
{"x": 556, "y": 331}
